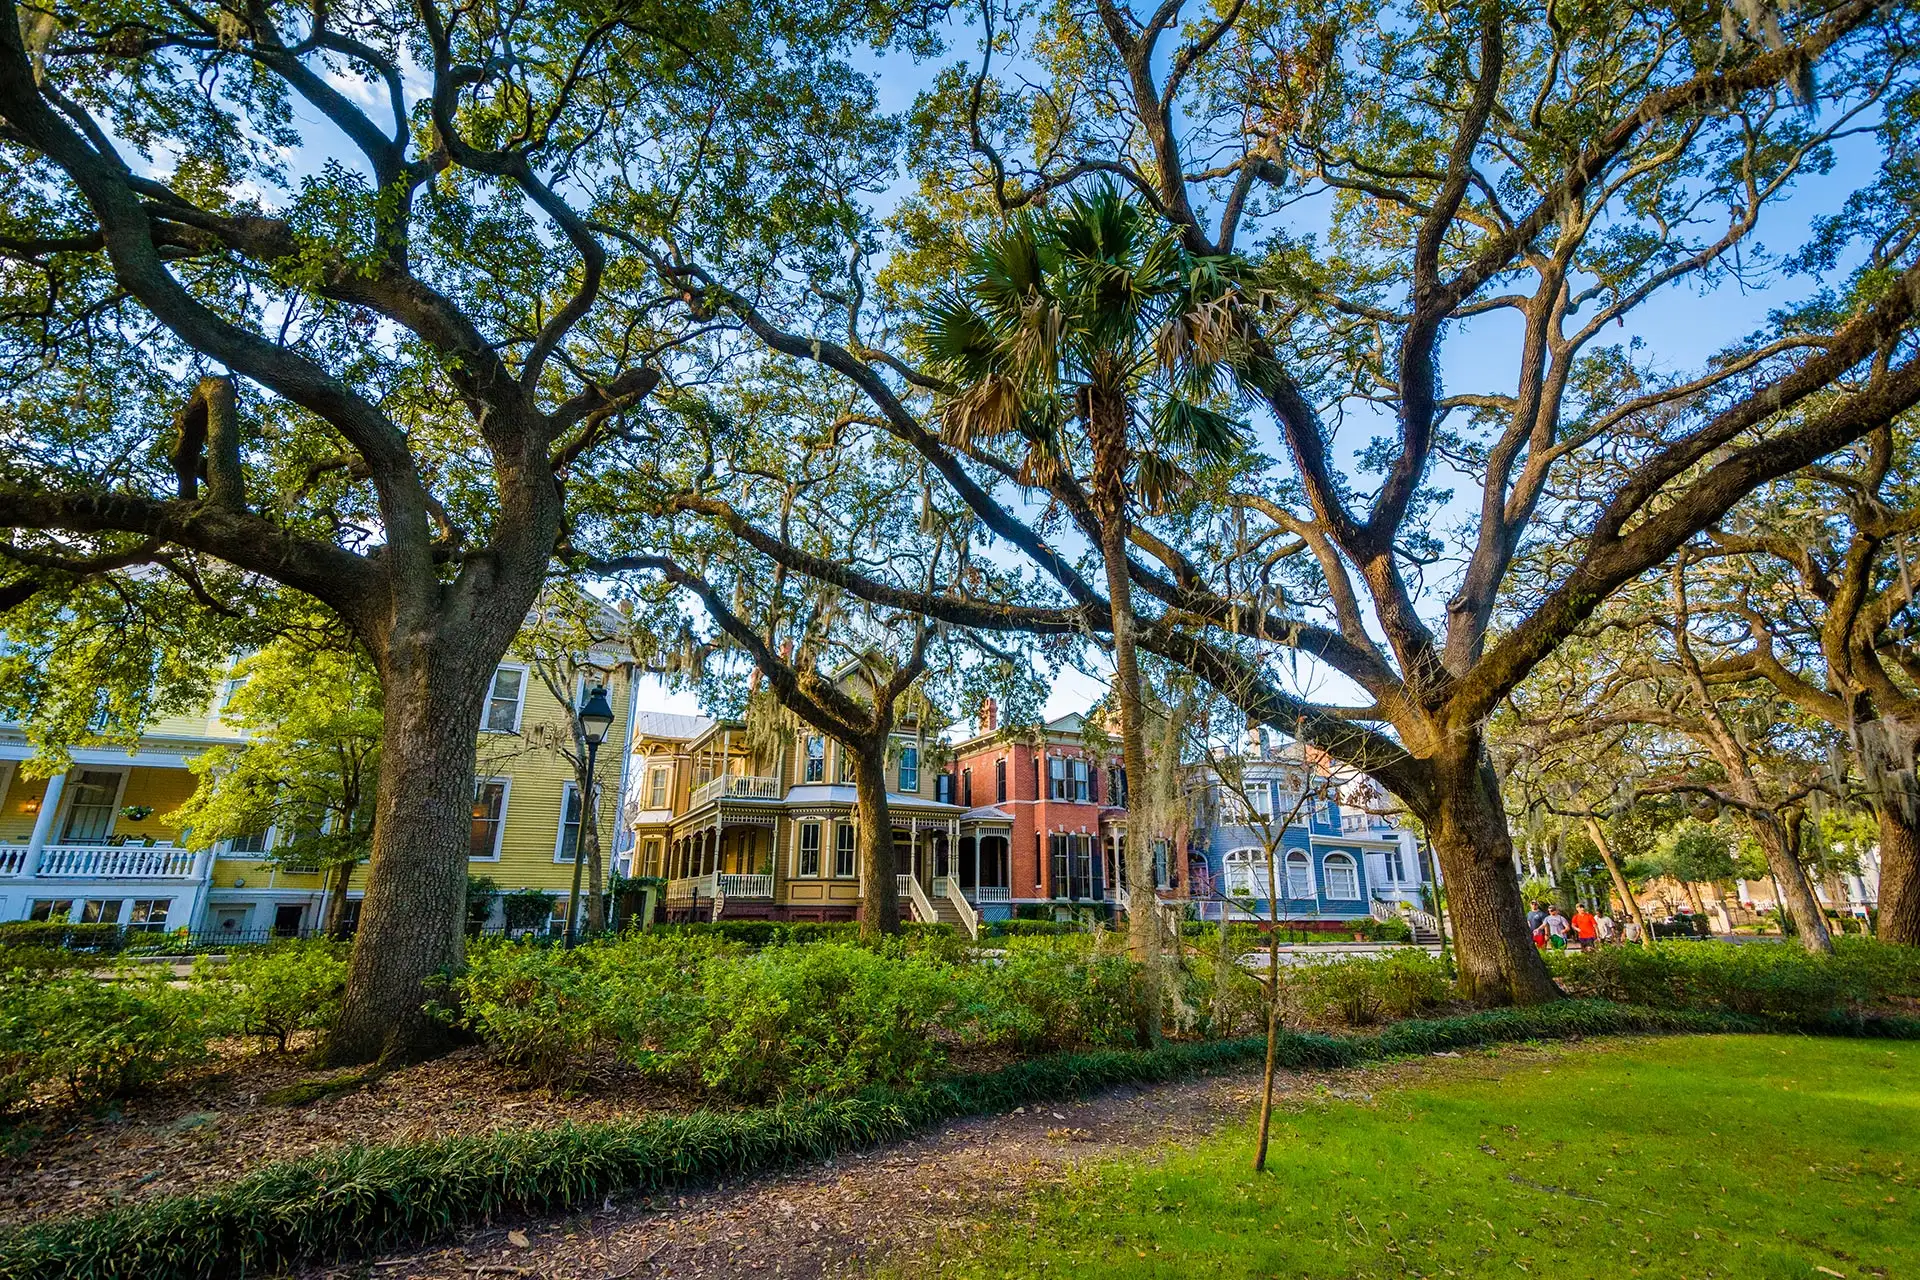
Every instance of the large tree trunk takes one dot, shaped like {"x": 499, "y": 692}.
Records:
{"x": 1899, "y": 876}
{"x": 1790, "y": 878}
{"x": 413, "y": 914}
{"x": 1108, "y": 425}
{"x": 1468, "y": 828}
{"x": 873, "y": 838}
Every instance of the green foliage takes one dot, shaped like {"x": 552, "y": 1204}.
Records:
{"x": 826, "y": 1017}
{"x": 57, "y": 933}
{"x": 96, "y": 1039}
{"x": 1358, "y": 990}
{"x": 282, "y": 989}
{"x": 481, "y": 893}
{"x": 309, "y": 706}
{"x": 295, "y": 1211}
{"x": 1772, "y": 980}
{"x": 527, "y": 908}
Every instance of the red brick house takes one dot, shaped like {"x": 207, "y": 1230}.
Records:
{"x": 1045, "y": 818}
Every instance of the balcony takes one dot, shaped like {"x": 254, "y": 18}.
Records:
{"x": 100, "y": 862}
{"x": 735, "y": 787}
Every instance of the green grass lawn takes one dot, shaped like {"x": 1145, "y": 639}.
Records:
{"x": 1691, "y": 1157}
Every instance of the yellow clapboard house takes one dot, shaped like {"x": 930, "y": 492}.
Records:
{"x": 91, "y": 844}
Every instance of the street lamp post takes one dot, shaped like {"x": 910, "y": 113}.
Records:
{"x": 596, "y": 717}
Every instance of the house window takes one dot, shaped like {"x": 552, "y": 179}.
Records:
{"x": 1396, "y": 864}
{"x": 651, "y": 850}
{"x": 227, "y": 689}
{"x": 1261, "y": 794}
{"x": 909, "y": 769}
{"x": 51, "y": 909}
{"x": 1117, "y": 787}
{"x": 1083, "y": 885}
{"x": 846, "y": 763}
{"x": 1246, "y": 873}
{"x": 148, "y": 915}
{"x": 90, "y": 813}
{"x": 1162, "y": 864}
{"x": 1000, "y": 781}
{"x": 845, "y": 862}
{"x": 816, "y": 759}
{"x": 1343, "y": 878}
{"x": 1079, "y": 784}
{"x": 943, "y": 788}
{"x": 1036, "y": 778}
{"x": 1062, "y": 866}
{"x": 568, "y": 840}
{"x": 1056, "y": 777}
{"x": 809, "y": 849}
{"x": 504, "y": 700}
{"x": 657, "y": 787}
{"x": 251, "y": 845}
{"x": 489, "y": 818}
{"x": 966, "y": 787}
{"x": 1299, "y": 876}
{"x": 100, "y": 911}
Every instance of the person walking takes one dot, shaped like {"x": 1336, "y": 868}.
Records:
{"x": 1557, "y": 930}
{"x": 1606, "y": 926}
{"x": 1537, "y": 916}
{"x": 1586, "y": 930}
{"x": 1630, "y": 931}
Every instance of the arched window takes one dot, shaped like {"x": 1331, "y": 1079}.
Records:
{"x": 1246, "y": 873}
{"x": 1299, "y": 876}
{"x": 1343, "y": 880}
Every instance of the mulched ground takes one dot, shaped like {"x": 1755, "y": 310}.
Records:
{"x": 216, "y": 1124}
{"x": 902, "y": 1202}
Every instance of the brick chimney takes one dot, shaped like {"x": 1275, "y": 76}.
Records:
{"x": 989, "y": 715}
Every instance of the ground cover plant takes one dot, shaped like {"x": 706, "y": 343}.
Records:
{"x": 1728, "y": 1156}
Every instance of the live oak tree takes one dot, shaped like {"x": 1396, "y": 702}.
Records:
{"x": 1820, "y": 573}
{"x": 326, "y": 295}
{"x": 1523, "y": 180}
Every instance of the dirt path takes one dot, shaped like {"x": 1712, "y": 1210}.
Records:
{"x": 835, "y": 1218}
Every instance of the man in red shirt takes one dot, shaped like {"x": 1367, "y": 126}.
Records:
{"x": 1585, "y": 927}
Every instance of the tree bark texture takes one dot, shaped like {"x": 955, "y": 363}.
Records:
{"x": 1108, "y": 428}
{"x": 873, "y": 836}
{"x": 1468, "y": 829}
{"x": 1790, "y": 878}
{"x": 1899, "y": 877}
{"x": 413, "y": 913}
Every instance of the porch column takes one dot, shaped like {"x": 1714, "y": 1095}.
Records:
{"x": 43, "y": 825}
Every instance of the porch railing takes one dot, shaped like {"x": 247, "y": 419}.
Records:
{"x": 992, "y": 893}
{"x": 964, "y": 909}
{"x": 686, "y": 888}
{"x": 736, "y": 787}
{"x": 923, "y": 908}
{"x": 735, "y": 885}
{"x": 100, "y": 862}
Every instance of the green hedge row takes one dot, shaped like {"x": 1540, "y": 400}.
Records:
{"x": 769, "y": 933}
{"x": 365, "y": 1200}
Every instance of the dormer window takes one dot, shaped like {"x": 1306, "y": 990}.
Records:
{"x": 816, "y": 769}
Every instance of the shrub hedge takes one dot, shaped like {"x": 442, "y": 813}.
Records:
{"x": 56, "y": 933}
{"x": 369, "y": 1199}
{"x": 1768, "y": 979}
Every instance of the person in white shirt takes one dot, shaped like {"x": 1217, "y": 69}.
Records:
{"x": 1606, "y": 927}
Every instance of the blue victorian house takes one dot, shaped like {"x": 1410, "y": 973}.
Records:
{"x": 1336, "y": 865}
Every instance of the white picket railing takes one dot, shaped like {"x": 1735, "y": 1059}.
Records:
{"x": 968, "y": 916}
{"x": 101, "y": 862}
{"x": 923, "y": 908}
{"x": 737, "y": 885}
{"x": 992, "y": 893}
{"x": 736, "y": 787}
{"x": 688, "y": 887}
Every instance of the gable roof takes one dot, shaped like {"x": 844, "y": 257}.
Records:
{"x": 669, "y": 724}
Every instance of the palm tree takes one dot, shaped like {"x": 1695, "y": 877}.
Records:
{"x": 1088, "y": 332}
